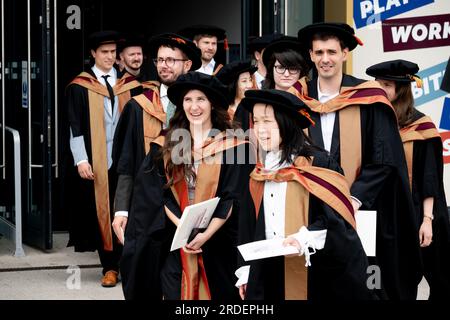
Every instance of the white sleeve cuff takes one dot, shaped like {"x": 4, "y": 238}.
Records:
{"x": 357, "y": 200}
{"x": 242, "y": 273}
{"x": 80, "y": 162}
{"x": 121, "y": 214}
{"x": 314, "y": 240}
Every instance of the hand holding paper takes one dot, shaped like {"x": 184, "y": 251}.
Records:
{"x": 196, "y": 216}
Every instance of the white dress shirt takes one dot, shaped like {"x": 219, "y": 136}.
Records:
{"x": 209, "y": 68}
{"x": 77, "y": 145}
{"x": 164, "y": 99}
{"x": 274, "y": 198}
{"x": 327, "y": 122}
{"x": 274, "y": 202}
{"x": 259, "y": 79}
{"x": 326, "y": 119}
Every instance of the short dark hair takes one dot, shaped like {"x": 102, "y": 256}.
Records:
{"x": 324, "y": 36}
{"x": 288, "y": 58}
{"x": 184, "y": 55}
{"x": 200, "y": 36}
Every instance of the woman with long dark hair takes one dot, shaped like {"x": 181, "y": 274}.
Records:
{"x": 208, "y": 162}
{"x": 423, "y": 150}
{"x": 297, "y": 191}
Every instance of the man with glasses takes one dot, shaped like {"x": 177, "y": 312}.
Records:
{"x": 143, "y": 119}
{"x": 357, "y": 125}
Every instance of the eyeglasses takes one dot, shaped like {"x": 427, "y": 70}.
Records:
{"x": 170, "y": 62}
{"x": 282, "y": 69}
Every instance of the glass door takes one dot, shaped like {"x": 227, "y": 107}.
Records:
{"x": 27, "y": 104}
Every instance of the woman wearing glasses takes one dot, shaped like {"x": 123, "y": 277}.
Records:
{"x": 285, "y": 63}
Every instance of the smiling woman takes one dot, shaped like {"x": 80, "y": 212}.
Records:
{"x": 209, "y": 169}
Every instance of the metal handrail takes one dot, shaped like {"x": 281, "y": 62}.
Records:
{"x": 17, "y": 194}
{"x": 55, "y": 81}
{"x": 3, "y": 164}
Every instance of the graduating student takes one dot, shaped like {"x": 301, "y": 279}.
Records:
{"x": 94, "y": 101}
{"x": 285, "y": 63}
{"x": 215, "y": 165}
{"x": 237, "y": 76}
{"x": 423, "y": 150}
{"x": 298, "y": 192}
{"x": 130, "y": 60}
{"x": 356, "y": 124}
{"x": 143, "y": 119}
{"x": 256, "y": 48}
{"x": 205, "y": 38}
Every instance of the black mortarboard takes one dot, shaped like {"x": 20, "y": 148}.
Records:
{"x": 282, "y": 44}
{"x": 182, "y": 43}
{"x": 99, "y": 38}
{"x": 281, "y": 101}
{"x": 130, "y": 40}
{"x": 192, "y": 31}
{"x": 395, "y": 70}
{"x": 341, "y": 30}
{"x": 445, "y": 85}
{"x": 230, "y": 72}
{"x": 209, "y": 85}
{"x": 259, "y": 43}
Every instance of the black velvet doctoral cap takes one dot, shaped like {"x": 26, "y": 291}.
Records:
{"x": 281, "y": 44}
{"x": 281, "y": 101}
{"x": 230, "y": 72}
{"x": 192, "y": 31}
{"x": 341, "y": 30}
{"x": 395, "y": 70}
{"x": 187, "y": 46}
{"x": 209, "y": 85}
{"x": 130, "y": 40}
{"x": 99, "y": 38}
{"x": 259, "y": 43}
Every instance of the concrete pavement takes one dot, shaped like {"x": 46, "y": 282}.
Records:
{"x": 61, "y": 274}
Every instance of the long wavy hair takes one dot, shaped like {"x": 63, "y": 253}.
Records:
{"x": 403, "y": 103}
{"x": 220, "y": 122}
{"x": 288, "y": 58}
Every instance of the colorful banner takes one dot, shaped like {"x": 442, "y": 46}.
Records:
{"x": 415, "y": 33}
{"x": 445, "y": 136}
{"x": 367, "y": 12}
{"x": 445, "y": 118}
{"x": 431, "y": 84}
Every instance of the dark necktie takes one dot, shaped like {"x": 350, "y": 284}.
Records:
{"x": 110, "y": 90}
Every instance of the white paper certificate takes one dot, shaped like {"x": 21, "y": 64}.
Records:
{"x": 194, "y": 216}
{"x": 266, "y": 249}
{"x": 366, "y": 227}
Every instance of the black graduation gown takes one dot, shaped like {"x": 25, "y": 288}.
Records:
{"x": 427, "y": 181}
{"x": 128, "y": 148}
{"x": 382, "y": 186}
{"x": 84, "y": 232}
{"x": 338, "y": 271}
{"x": 242, "y": 118}
{"x": 220, "y": 251}
{"x": 148, "y": 234}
